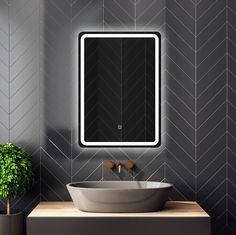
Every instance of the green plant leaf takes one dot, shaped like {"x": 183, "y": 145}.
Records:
{"x": 16, "y": 174}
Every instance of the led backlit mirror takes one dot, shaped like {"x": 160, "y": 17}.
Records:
{"x": 119, "y": 89}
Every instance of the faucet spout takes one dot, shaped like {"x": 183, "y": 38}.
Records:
{"x": 119, "y": 165}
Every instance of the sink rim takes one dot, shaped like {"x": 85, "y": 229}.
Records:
{"x": 162, "y": 185}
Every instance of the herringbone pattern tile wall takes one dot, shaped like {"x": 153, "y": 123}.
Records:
{"x": 4, "y": 75}
{"x": 19, "y": 84}
{"x": 211, "y": 109}
{"x": 180, "y": 101}
{"x": 231, "y": 116}
{"x": 38, "y": 85}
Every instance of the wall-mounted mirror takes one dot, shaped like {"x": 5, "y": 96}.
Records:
{"x": 119, "y": 89}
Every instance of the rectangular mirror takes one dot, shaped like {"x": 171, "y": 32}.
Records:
{"x": 119, "y": 89}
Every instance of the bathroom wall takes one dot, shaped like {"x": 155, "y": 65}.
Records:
{"x": 19, "y": 85}
{"x": 230, "y": 114}
{"x": 39, "y": 97}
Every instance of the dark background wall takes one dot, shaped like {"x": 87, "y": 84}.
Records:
{"x": 39, "y": 109}
{"x": 19, "y": 84}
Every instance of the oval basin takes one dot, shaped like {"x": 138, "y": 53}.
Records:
{"x": 119, "y": 196}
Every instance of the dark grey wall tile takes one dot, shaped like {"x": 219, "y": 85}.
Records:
{"x": 118, "y": 15}
{"x": 181, "y": 12}
{"x": 207, "y": 8}
{"x": 54, "y": 177}
{"x": 207, "y": 29}
{"x": 231, "y": 79}
{"x": 19, "y": 88}
{"x": 87, "y": 165}
{"x": 180, "y": 106}
{"x": 179, "y": 27}
{"x": 62, "y": 158}
{"x": 175, "y": 72}
{"x": 211, "y": 110}
{"x": 189, "y": 7}
{"x": 150, "y": 15}
{"x": 211, "y": 75}
{"x": 207, "y": 126}
{"x": 183, "y": 92}
{"x": 208, "y": 49}
{"x": 4, "y": 72}
{"x": 184, "y": 64}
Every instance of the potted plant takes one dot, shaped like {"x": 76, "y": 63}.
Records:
{"x": 16, "y": 177}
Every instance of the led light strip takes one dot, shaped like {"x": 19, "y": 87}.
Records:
{"x": 82, "y": 88}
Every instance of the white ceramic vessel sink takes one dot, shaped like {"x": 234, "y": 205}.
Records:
{"x": 119, "y": 196}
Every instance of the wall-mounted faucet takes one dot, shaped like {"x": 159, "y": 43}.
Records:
{"x": 128, "y": 165}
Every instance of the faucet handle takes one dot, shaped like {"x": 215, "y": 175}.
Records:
{"x": 129, "y": 165}
{"x": 109, "y": 164}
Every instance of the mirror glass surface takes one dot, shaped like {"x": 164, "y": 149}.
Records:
{"x": 119, "y": 89}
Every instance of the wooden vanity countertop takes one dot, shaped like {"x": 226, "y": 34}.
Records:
{"x": 67, "y": 209}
